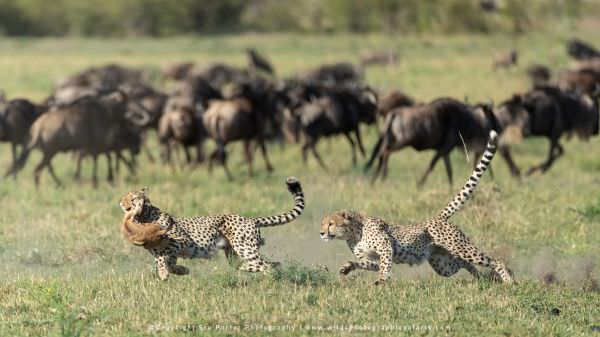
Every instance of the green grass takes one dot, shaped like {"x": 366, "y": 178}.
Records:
{"x": 68, "y": 271}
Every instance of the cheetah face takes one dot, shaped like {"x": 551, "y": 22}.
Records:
{"x": 333, "y": 226}
{"x": 133, "y": 201}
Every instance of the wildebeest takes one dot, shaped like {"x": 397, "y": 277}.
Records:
{"x": 336, "y": 110}
{"x": 392, "y": 100}
{"x": 580, "y": 50}
{"x": 378, "y": 58}
{"x": 245, "y": 116}
{"x": 106, "y": 77}
{"x": 181, "y": 122}
{"x": 583, "y": 79}
{"x": 539, "y": 74}
{"x": 90, "y": 126}
{"x": 441, "y": 125}
{"x": 178, "y": 71}
{"x": 548, "y": 112}
{"x": 16, "y": 117}
{"x": 219, "y": 74}
{"x": 336, "y": 73}
{"x": 506, "y": 59}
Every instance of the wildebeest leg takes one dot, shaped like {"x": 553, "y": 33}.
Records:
{"x": 77, "y": 175}
{"x": 199, "y": 152}
{"x": 305, "y": 147}
{"x": 378, "y": 169}
{"x": 129, "y": 165}
{"x": 347, "y": 134}
{"x": 38, "y": 169}
{"x": 263, "y": 149}
{"x": 188, "y": 156}
{"x": 434, "y": 160}
{"x": 318, "y": 156}
{"x": 382, "y": 165}
{"x": 13, "y": 148}
{"x": 117, "y": 162}
{"x": 52, "y": 173}
{"x": 359, "y": 140}
{"x": 555, "y": 151}
{"x": 110, "y": 178}
{"x": 211, "y": 159}
{"x": 225, "y": 167}
{"x": 95, "y": 171}
{"x": 133, "y": 158}
{"x": 248, "y": 153}
{"x": 505, "y": 153}
{"x": 148, "y": 152}
{"x": 386, "y": 157}
{"x": 448, "y": 165}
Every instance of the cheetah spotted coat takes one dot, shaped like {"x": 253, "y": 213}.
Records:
{"x": 377, "y": 244}
{"x": 204, "y": 236}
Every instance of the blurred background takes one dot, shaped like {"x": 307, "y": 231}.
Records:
{"x": 161, "y": 18}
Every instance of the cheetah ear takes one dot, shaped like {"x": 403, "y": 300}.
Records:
{"x": 346, "y": 215}
{"x": 145, "y": 190}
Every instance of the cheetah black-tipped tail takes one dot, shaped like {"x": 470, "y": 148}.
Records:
{"x": 458, "y": 202}
{"x": 295, "y": 189}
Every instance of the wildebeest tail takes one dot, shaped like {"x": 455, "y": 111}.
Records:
{"x": 458, "y": 202}
{"x": 295, "y": 189}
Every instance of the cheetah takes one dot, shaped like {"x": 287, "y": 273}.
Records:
{"x": 377, "y": 244}
{"x": 201, "y": 236}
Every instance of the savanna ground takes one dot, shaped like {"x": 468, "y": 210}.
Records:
{"x": 67, "y": 270}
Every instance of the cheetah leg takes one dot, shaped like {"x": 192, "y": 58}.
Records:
{"x": 232, "y": 257}
{"x": 161, "y": 265}
{"x": 253, "y": 262}
{"x": 365, "y": 264}
{"x": 472, "y": 255}
{"x": 168, "y": 264}
{"x": 367, "y": 261}
{"x": 446, "y": 266}
{"x": 174, "y": 268}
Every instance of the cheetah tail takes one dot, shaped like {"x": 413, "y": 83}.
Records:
{"x": 295, "y": 189}
{"x": 458, "y": 202}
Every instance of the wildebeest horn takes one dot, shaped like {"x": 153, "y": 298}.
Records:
{"x": 140, "y": 118}
{"x": 490, "y": 102}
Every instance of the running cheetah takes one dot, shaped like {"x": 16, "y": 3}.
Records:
{"x": 202, "y": 236}
{"x": 376, "y": 243}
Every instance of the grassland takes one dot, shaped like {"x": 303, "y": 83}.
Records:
{"x": 67, "y": 270}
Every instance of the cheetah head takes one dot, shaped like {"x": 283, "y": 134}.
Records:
{"x": 133, "y": 201}
{"x": 336, "y": 225}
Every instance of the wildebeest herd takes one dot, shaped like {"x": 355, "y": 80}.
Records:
{"x": 110, "y": 110}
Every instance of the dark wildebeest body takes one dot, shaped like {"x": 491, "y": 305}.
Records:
{"x": 89, "y": 126}
{"x": 336, "y": 111}
{"x": 441, "y": 125}
{"x": 245, "y": 116}
{"x": 547, "y": 112}
{"x": 16, "y": 117}
{"x": 580, "y": 50}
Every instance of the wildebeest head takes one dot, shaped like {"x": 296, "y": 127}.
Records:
{"x": 368, "y": 101}
{"x": 513, "y": 117}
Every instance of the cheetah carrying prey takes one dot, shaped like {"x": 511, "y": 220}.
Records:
{"x": 167, "y": 237}
{"x": 376, "y": 243}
